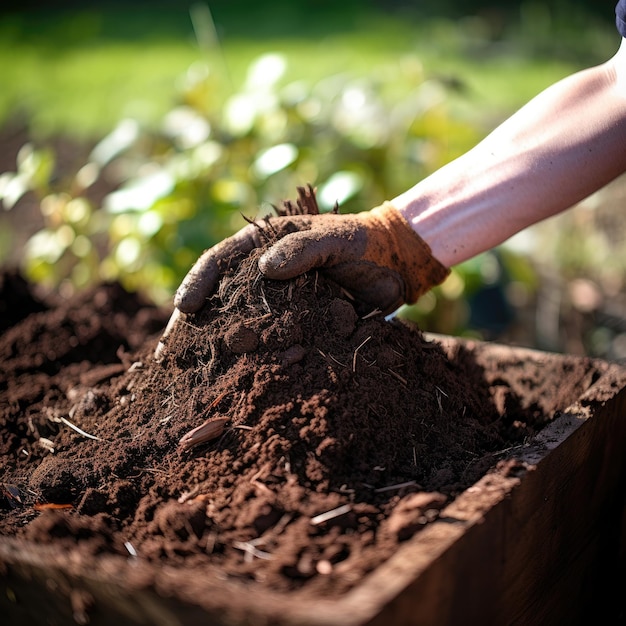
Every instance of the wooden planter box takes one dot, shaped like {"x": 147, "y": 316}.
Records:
{"x": 539, "y": 545}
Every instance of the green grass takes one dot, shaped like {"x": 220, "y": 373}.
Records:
{"x": 78, "y": 73}
{"x": 84, "y": 91}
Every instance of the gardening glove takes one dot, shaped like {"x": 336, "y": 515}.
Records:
{"x": 375, "y": 256}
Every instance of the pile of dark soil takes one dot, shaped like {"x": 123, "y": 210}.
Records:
{"x": 338, "y": 436}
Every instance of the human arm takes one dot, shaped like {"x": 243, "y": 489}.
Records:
{"x": 566, "y": 143}
{"x": 563, "y": 145}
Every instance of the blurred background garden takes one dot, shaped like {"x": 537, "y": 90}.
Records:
{"x": 136, "y": 134}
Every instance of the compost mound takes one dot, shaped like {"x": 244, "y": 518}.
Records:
{"x": 336, "y": 436}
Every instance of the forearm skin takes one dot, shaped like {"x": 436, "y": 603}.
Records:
{"x": 566, "y": 143}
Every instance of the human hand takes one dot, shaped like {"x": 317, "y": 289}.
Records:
{"x": 376, "y": 256}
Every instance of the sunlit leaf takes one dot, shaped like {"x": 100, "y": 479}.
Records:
{"x": 186, "y": 127}
{"x": 46, "y": 246}
{"x": 140, "y": 194}
{"x": 12, "y": 188}
{"x": 77, "y": 211}
{"x": 81, "y": 246}
{"x": 339, "y": 188}
{"x": 128, "y": 252}
{"x": 149, "y": 223}
{"x": 274, "y": 159}
{"x": 266, "y": 71}
{"x": 239, "y": 114}
{"x": 87, "y": 175}
{"x": 120, "y": 139}
{"x": 35, "y": 165}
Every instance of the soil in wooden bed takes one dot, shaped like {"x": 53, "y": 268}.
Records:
{"x": 343, "y": 435}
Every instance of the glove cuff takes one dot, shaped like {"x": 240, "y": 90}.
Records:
{"x": 396, "y": 245}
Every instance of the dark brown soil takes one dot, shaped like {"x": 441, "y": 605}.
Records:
{"x": 336, "y": 437}
{"x": 324, "y": 412}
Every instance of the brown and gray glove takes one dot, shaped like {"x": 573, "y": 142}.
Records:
{"x": 375, "y": 255}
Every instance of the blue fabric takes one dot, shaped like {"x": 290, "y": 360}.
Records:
{"x": 620, "y": 17}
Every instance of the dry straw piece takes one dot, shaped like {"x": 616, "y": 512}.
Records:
{"x": 209, "y": 430}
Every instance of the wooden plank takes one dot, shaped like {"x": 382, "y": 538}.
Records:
{"x": 544, "y": 553}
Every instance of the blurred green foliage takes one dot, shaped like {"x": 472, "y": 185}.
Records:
{"x": 183, "y": 186}
{"x": 235, "y": 136}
